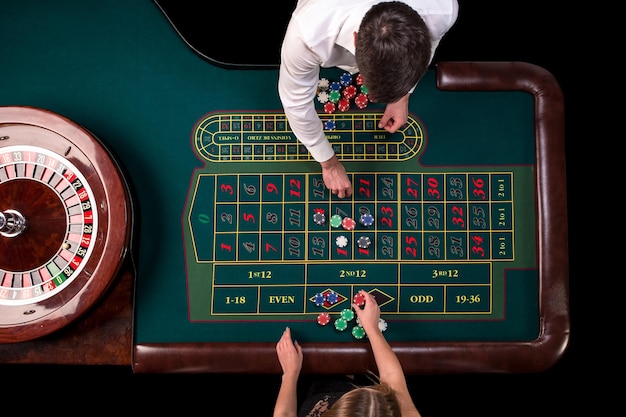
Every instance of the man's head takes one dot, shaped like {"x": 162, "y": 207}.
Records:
{"x": 393, "y": 50}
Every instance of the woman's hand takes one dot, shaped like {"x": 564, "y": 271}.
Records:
{"x": 289, "y": 354}
{"x": 369, "y": 315}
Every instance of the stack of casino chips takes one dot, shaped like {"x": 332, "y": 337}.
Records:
{"x": 346, "y": 315}
{"x": 347, "y": 223}
{"x": 341, "y": 95}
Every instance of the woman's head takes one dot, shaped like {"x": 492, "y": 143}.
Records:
{"x": 377, "y": 400}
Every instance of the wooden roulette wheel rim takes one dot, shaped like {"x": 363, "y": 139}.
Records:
{"x": 66, "y": 221}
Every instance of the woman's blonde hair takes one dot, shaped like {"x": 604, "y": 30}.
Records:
{"x": 378, "y": 400}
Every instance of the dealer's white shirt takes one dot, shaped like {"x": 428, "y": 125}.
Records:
{"x": 321, "y": 34}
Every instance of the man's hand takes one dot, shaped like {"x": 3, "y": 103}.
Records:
{"x": 335, "y": 177}
{"x": 395, "y": 115}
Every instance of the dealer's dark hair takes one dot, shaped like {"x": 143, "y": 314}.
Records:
{"x": 393, "y": 49}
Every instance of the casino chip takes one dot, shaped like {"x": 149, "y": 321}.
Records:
{"x": 359, "y": 79}
{"x": 343, "y": 105}
{"x": 335, "y": 220}
{"x": 335, "y": 86}
{"x": 348, "y": 223}
{"x": 364, "y": 89}
{"x": 345, "y": 79}
{"x": 341, "y": 324}
{"x": 359, "y": 299}
{"x": 332, "y": 297}
{"x": 382, "y": 324}
{"x": 364, "y": 242}
{"x": 319, "y": 299}
{"x": 358, "y": 332}
{"x": 322, "y": 97}
{"x": 366, "y": 219}
{"x": 323, "y": 319}
{"x": 361, "y": 101}
{"x": 334, "y": 96}
{"x": 349, "y": 92}
{"x": 347, "y": 314}
{"x": 323, "y": 84}
{"x": 319, "y": 218}
{"x": 341, "y": 241}
{"x": 329, "y": 107}
{"x": 330, "y": 125}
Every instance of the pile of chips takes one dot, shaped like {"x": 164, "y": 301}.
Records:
{"x": 346, "y": 315}
{"x": 341, "y": 95}
{"x": 347, "y": 223}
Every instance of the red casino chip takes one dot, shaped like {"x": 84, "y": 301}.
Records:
{"x": 348, "y": 223}
{"x": 323, "y": 319}
{"x": 343, "y": 104}
{"x": 329, "y": 107}
{"x": 349, "y": 92}
{"x": 359, "y": 299}
{"x": 361, "y": 101}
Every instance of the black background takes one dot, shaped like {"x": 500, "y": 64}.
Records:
{"x": 532, "y": 31}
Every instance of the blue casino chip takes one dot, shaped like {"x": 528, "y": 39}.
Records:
{"x": 367, "y": 219}
{"x": 332, "y": 297}
{"x": 319, "y": 299}
{"x": 346, "y": 79}
{"x": 335, "y": 86}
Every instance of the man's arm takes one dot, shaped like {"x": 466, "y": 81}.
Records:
{"x": 335, "y": 177}
{"x": 297, "y": 87}
{"x": 298, "y": 77}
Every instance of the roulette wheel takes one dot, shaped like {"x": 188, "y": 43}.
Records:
{"x": 66, "y": 220}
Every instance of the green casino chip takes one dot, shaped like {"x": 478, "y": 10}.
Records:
{"x": 347, "y": 314}
{"x": 335, "y": 221}
{"x": 341, "y": 324}
{"x": 358, "y": 332}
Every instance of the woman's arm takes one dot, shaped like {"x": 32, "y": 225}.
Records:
{"x": 389, "y": 367}
{"x": 290, "y": 358}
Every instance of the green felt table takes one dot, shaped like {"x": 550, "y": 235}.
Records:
{"x": 468, "y": 246}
